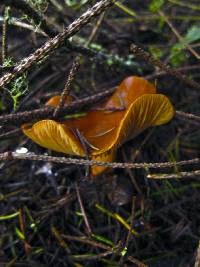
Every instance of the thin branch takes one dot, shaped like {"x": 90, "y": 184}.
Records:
{"x": 4, "y": 35}
{"x": 89, "y": 230}
{"x": 57, "y": 41}
{"x": 178, "y": 175}
{"x": 190, "y": 116}
{"x": 17, "y": 22}
{"x": 47, "y": 112}
{"x": 86, "y": 240}
{"x": 10, "y": 134}
{"x": 92, "y": 257}
{"x": 63, "y": 160}
{"x": 29, "y": 11}
{"x": 74, "y": 70}
{"x": 66, "y": 90}
{"x": 140, "y": 53}
{"x": 181, "y": 39}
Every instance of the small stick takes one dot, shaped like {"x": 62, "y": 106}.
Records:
{"x": 89, "y": 231}
{"x": 4, "y": 35}
{"x": 190, "y": 116}
{"x": 29, "y": 11}
{"x": 63, "y": 160}
{"x": 86, "y": 240}
{"x": 66, "y": 90}
{"x": 139, "y": 52}
{"x": 181, "y": 39}
{"x": 10, "y": 134}
{"x": 95, "y": 29}
{"x": 178, "y": 175}
{"x": 46, "y": 112}
{"x": 74, "y": 70}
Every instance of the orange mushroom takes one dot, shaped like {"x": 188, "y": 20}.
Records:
{"x": 132, "y": 108}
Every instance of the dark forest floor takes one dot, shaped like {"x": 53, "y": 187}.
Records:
{"x": 50, "y": 213}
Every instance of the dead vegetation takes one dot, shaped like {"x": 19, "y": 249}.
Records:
{"x": 145, "y": 210}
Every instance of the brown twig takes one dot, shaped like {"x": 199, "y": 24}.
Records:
{"x": 94, "y": 257}
{"x": 190, "y": 116}
{"x": 29, "y": 11}
{"x": 162, "y": 73}
{"x": 95, "y": 29}
{"x": 4, "y": 35}
{"x": 66, "y": 90}
{"x": 63, "y": 160}
{"x": 57, "y": 41}
{"x": 181, "y": 39}
{"x": 46, "y": 30}
{"x": 140, "y": 53}
{"x": 46, "y": 112}
{"x": 10, "y": 134}
{"x": 74, "y": 70}
{"x": 86, "y": 240}
{"x": 89, "y": 230}
{"x": 178, "y": 175}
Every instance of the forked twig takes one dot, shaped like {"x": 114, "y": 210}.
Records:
{"x": 57, "y": 41}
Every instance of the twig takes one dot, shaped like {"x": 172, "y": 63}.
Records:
{"x": 89, "y": 231}
{"x": 29, "y": 11}
{"x": 181, "y": 114}
{"x": 4, "y": 35}
{"x": 17, "y": 22}
{"x": 10, "y": 134}
{"x": 93, "y": 257}
{"x": 181, "y": 39}
{"x": 86, "y": 240}
{"x": 137, "y": 262}
{"x": 63, "y": 160}
{"x": 57, "y": 41}
{"x": 47, "y": 112}
{"x": 162, "y": 73}
{"x": 95, "y": 29}
{"x": 43, "y": 113}
{"x": 178, "y": 175}
{"x": 139, "y": 52}
{"x": 74, "y": 70}
{"x": 46, "y": 30}
{"x": 66, "y": 90}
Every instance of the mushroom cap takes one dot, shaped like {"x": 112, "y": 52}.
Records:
{"x": 55, "y": 136}
{"x": 132, "y": 108}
